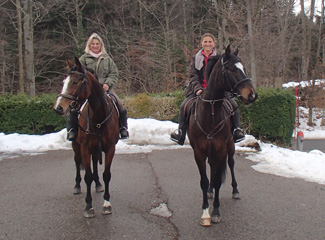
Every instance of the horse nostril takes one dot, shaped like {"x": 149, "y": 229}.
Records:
{"x": 59, "y": 109}
{"x": 252, "y": 97}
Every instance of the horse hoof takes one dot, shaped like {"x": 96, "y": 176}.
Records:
{"x": 76, "y": 191}
{"x": 210, "y": 195}
{"x": 235, "y": 196}
{"x": 205, "y": 222}
{"x": 107, "y": 210}
{"x": 89, "y": 213}
{"x": 215, "y": 219}
{"x": 99, "y": 188}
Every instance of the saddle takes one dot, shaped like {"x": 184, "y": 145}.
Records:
{"x": 189, "y": 108}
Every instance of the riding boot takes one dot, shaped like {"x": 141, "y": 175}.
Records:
{"x": 123, "y": 125}
{"x": 72, "y": 125}
{"x": 238, "y": 134}
{"x": 180, "y": 134}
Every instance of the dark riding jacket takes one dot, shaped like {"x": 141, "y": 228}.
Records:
{"x": 197, "y": 72}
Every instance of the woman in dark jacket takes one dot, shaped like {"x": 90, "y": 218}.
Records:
{"x": 98, "y": 61}
{"x": 198, "y": 82}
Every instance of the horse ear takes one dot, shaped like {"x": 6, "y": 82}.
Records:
{"x": 228, "y": 50}
{"x": 227, "y": 53}
{"x": 236, "y": 51}
{"x": 70, "y": 64}
{"x": 80, "y": 67}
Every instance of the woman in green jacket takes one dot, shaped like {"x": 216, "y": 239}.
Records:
{"x": 97, "y": 60}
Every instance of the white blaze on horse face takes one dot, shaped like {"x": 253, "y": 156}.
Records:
{"x": 63, "y": 91}
{"x": 241, "y": 67}
{"x": 65, "y": 85}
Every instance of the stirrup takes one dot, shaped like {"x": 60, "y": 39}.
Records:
{"x": 177, "y": 137}
{"x": 240, "y": 136}
{"x": 72, "y": 135}
{"x": 124, "y": 134}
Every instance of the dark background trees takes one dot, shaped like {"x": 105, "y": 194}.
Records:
{"x": 152, "y": 41}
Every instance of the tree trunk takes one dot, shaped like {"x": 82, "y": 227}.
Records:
{"x": 80, "y": 34}
{"x": 29, "y": 48}
{"x": 184, "y": 21}
{"x": 251, "y": 41}
{"x": 20, "y": 48}
{"x": 3, "y": 70}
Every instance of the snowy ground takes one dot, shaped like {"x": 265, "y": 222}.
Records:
{"x": 150, "y": 134}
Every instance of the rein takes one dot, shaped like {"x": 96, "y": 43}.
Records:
{"x": 97, "y": 125}
{"x": 229, "y": 111}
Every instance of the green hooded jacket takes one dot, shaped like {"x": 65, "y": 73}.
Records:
{"x": 104, "y": 68}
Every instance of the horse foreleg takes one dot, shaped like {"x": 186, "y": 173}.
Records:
{"x": 77, "y": 160}
{"x": 204, "y": 183}
{"x": 107, "y": 207}
{"x": 205, "y": 219}
{"x": 231, "y": 163}
{"x": 99, "y": 187}
{"x": 89, "y": 211}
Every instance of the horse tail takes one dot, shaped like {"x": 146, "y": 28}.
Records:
{"x": 100, "y": 149}
{"x": 219, "y": 164}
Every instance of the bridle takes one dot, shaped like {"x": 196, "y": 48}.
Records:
{"x": 75, "y": 98}
{"x": 233, "y": 89}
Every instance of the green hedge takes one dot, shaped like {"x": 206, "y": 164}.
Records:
{"x": 163, "y": 106}
{"x": 21, "y": 114}
{"x": 271, "y": 117}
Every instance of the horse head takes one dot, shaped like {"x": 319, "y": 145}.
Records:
{"x": 235, "y": 78}
{"x": 75, "y": 88}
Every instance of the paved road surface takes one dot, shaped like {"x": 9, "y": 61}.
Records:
{"x": 36, "y": 201}
{"x": 310, "y": 144}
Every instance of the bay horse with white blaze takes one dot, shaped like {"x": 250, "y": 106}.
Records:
{"x": 98, "y": 128}
{"x": 210, "y": 132}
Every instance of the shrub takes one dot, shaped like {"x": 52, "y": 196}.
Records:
{"x": 164, "y": 106}
{"x": 21, "y": 114}
{"x": 271, "y": 117}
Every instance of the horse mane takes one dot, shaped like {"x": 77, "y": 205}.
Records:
{"x": 212, "y": 61}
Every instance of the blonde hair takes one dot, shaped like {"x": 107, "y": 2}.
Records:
{"x": 208, "y": 35}
{"x": 95, "y": 36}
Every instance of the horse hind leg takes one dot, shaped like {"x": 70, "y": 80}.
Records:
{"x": 77, "y": 187}
{"x": 231, "y": 163}
{"x": 210, "y": 189}
{"x": 98, "y": 185}
{"x": 215, "y": 216}
{"x": 77, "y": 160}
{"x": 218, "y": 173}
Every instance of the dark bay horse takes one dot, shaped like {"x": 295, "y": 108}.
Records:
{"x": 98, "y": 128}
{"x": 210, "y": 132}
